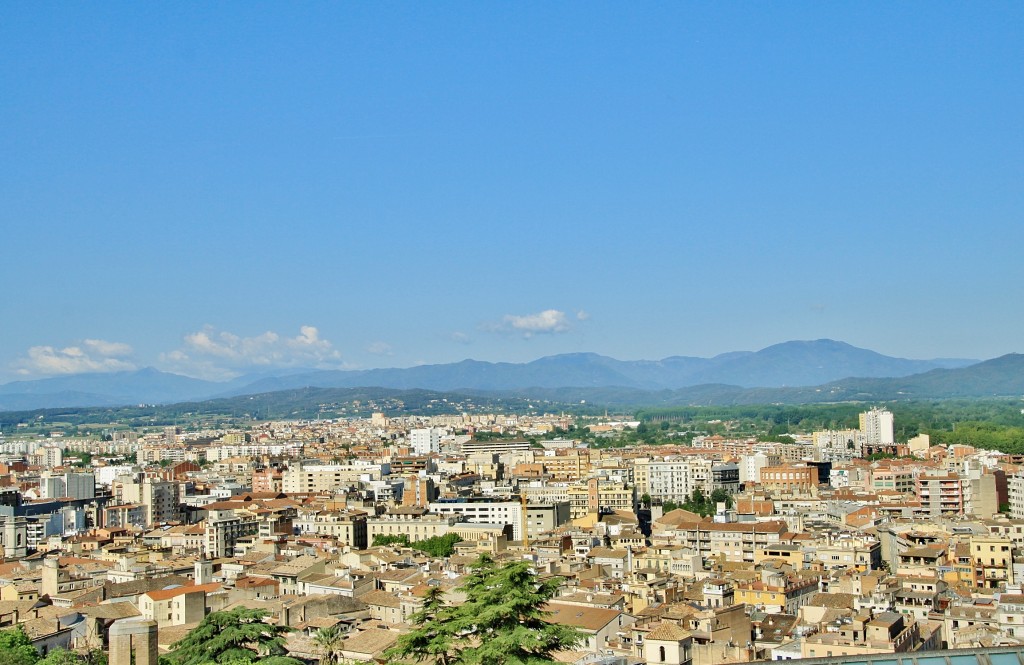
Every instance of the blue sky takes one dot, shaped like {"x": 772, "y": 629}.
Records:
{"x": 215, "y": 188}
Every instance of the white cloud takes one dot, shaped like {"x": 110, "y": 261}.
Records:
{"x": 582, "y": 315}
{"x": 548, "y": 322}
{"x": 461, "y": 337}
{"x": 109, "y": 349}
{"x": 222, "y": 354}
{"x": 379, "y": 348}
{"x": 91, "y": 355}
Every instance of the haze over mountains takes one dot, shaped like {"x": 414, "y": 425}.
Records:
{"x": 790, "y": 364}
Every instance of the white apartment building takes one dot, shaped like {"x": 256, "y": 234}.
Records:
{"x": 225, "y": 451}
{"x": 426, "y": 440}
{"x": 106, "y": 475}
{"x": 50, "y": 456}
{"x": 1015, "y": 495}
{"x": 663, "y": 480}
{"x": 674, "y": 479}
{"x": 490, "y": 512}
{"x": 840, "y": 445}
{"x": 544, "y": 492}
{"x": 51, "y": 487}
{"x": 498, "y": 446}
{"x": 751, "y": 465}
{"x": 877, "y": 426}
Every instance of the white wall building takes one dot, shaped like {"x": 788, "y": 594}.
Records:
{"x": 426, "y": 440}
{"x": 877, "y": 426}
{"x": 491, "y": 512}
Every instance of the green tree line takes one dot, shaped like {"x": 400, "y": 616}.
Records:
{"x": 437, "y": 546}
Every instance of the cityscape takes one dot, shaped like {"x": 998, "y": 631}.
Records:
{"x": 363, "y": 333}
{"x": 717, "y": 548}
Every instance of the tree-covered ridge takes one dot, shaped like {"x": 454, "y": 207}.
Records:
{"x": 993, "y": 424}
{"x": 297, "y": 404}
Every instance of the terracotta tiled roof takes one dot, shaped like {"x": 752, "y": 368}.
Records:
{"x": 668, "y": 631}
{"x": 577, "y": 616}
{"x": 164, "y": 594}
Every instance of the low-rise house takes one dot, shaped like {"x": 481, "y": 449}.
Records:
{"x": 598, "y": 625}
{"x": 178, "y": 605}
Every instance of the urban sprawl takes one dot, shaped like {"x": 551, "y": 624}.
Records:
{"x": 827, "y": 544}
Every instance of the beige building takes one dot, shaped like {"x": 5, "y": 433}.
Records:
{"x": 348, "y": 527}
{"x": 176, "y": 606}
{"x": 570, "y": 465}
{"x": 860, "y": 553}
{"x": 794, "y": 479}
{"x": 886, "y": 632}
{"x": 993, "y": 561}
{"x": 599, "y": 496}
{"x": 412, "y": 522}
{"x": 304, "y": 478}
{"x": 598, "y": 625}
{"x": 161, "y": 498}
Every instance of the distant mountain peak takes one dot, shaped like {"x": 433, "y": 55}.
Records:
{"x": 793, "y": 363}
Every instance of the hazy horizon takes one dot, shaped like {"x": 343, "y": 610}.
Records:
{"x": 280, "y": 370}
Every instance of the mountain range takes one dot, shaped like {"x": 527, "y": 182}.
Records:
{"x": 785, "y": 367}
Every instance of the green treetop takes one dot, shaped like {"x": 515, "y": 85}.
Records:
{"x": 233, "y": 637}
{"x": 501, "y": 622}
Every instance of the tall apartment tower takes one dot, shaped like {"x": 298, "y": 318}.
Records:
{"x": 80, "y": 485}
{"x": 51, "y": 487}
{"x": 50, "y": 456}
{"x": 162, "y": 499}
{"x": 877, "y": 427}
{"x": 427, "y": 440}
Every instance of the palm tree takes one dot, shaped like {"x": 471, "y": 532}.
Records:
{"x": 328, "y": 642}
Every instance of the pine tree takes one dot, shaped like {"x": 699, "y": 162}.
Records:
{"x": 501, "y": 622}
{"x": 239, "y": 635}
{"x": 433, "y": 638}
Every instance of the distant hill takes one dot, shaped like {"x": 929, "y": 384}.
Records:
{"x": 301, "y": 403}
{"x": 806, "y": 363}
{"x": 787, "y": 364}
{"x": 812, "y": 363}
{"x": 147, "y": 385}
{"x": 55, "y": 400}
{"x": 999, "y": 377}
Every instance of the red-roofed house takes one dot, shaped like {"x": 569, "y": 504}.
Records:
{"x": 177, "y": 605}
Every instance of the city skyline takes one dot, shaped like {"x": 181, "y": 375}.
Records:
{"x": 218, "y": 191}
